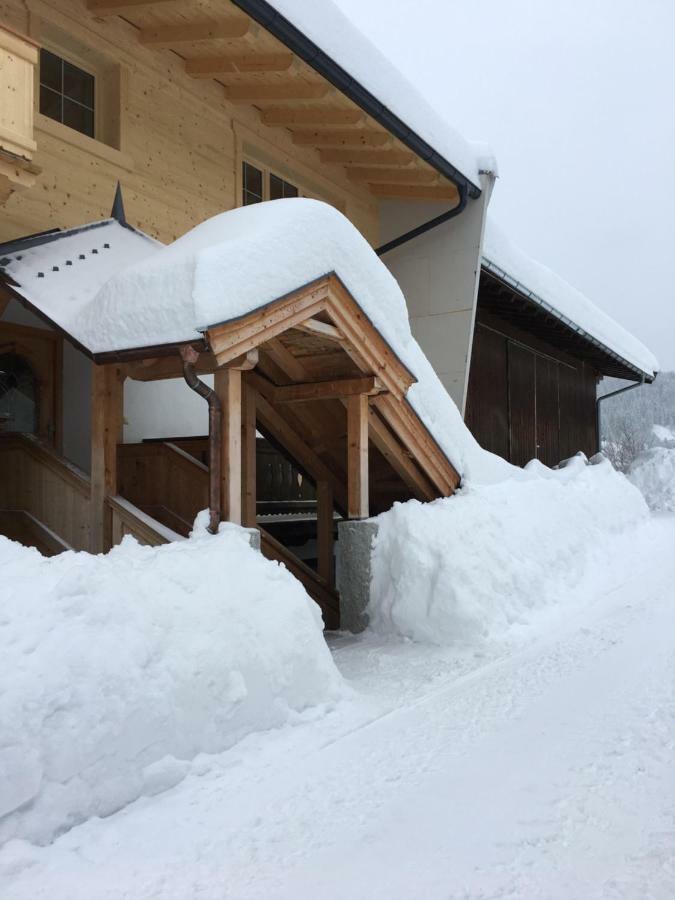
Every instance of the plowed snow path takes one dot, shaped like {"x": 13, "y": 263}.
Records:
{"x": 544, "y": 769}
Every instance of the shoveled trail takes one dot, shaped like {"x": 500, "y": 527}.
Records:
{"x": 543, "y": 767}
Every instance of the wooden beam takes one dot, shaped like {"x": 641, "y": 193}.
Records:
{"x": 283, "y": 358}
{"x": 248, "y": 456}
{"x": 273, "y": 93}
{"x": 399, "y": 458}
{"x": 117, "y": 7}
{"x": 227, "y": 383}
{"x": 341, "y": 138}
{"x": 328, "y": 390}
{"x": 232, "y": 64}
{"x": 107, "y": 403}
{"x": 286, "y": 117}
{"x": 359, "y": 157}
{"x": 320, "y": 329}
{"x": 172, "y": 35}
{"x": 413, "y": 192}
{"x": 357, "y": 457}
{"x": 231, "y": 339}
{"x": 324, "y": 530}
{"x": 393, "y": 176}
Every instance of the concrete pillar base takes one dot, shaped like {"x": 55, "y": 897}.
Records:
{"x": 355, "y": 542}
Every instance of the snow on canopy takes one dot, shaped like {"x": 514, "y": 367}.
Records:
{"x": 549, "y": 290}
{"x": 331, "y": 30}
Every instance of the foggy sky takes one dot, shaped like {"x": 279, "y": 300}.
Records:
{"x": 577, "y": 101}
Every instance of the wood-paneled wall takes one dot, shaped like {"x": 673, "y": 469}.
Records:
{"x": 178, "y": 139}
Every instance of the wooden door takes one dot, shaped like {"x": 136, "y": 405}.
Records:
{"x": 36, "y": 352}
{"x": 522, "y": 405}
{"x": 548, "y": 411}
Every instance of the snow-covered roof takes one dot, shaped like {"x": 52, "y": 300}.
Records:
{"x": 339, "y": 38}
{"x": 539, "y": 284}
{"x": 61, "y": 273}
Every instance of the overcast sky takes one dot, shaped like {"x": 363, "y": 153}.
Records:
{"x": 577, "y": 101}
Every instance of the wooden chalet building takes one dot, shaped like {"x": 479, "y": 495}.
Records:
{"x": 201, "y": 106}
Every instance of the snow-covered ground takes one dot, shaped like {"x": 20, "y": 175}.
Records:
{"x": 536, "y": 764}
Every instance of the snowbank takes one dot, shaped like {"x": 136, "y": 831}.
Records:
{"x": 653, "y": 473}
{"x": 464, "y": 569}
{"x": 124, "y": 667}
{"x": 551, "y": 291}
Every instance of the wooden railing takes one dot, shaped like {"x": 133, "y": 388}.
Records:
{"x": 37, "y": 480}
{"x": 129, "y": 519}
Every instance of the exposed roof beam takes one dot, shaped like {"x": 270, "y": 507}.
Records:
{"x": 343, "y": 138}
{"x": 393, "y": 176}
{"x": 392, "y": 157}
{"x": 213, "y": 66}
{"x": 416, "y": 192}
{"x": 171, "y": 35}
{"x": 328, "y": 390}
{"x": 321, "y": 329}
{"x": 311, "y": 115}
{"x": 115, "y": 7}
{"x": 272, "y": 93}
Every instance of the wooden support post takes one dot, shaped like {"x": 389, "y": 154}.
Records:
{"x": 324, "y": 529}
{"x": 248, "y": 457}
{"x": 228, "y": 388}
{"x": 107, "y": 406}
{"x": 357, "y": 457}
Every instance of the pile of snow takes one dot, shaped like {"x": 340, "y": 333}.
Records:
{"x": 246, "y": 258}
{"x": 125, "y": 667}
{"x": 464, "y": 569}
{"x": 653, "y": 473}
{"x": 664, "y": 435}
{"x": 551, "y": 291}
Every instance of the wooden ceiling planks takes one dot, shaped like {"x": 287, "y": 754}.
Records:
{"x": 218, "y": 41}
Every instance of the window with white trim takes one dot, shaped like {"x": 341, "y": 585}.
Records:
{"x": 260, "y": 184}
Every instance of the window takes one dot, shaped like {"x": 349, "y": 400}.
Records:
{"x": 259, "y": 184}
{"x": 67, "y": 93}
{"x": 18, "y": 394}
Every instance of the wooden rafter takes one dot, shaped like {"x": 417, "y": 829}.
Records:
{"x": 117, "y": 7}
{"x": 174, "y": 35}
{"x": 255, "y": 92}
{"x": 399, "y": 458}
{"x": 341, "y": 138}
{"x": 284, "y": 116}
{"x": 393, "y": 176}
{"x": 335, "y": 389}
{"x": 321, "y": 329}
{"x": 235, "y": 63}
{"x": 416, "y": 192}
{"x": 358, "y": 157}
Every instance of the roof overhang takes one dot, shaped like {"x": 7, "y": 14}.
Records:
{"x": 506, "y": 297}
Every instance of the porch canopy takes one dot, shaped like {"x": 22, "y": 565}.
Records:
{"x": 295, "y": 270}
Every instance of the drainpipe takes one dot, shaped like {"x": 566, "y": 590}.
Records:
{"x": 190, "y": 356}
{"x": 598, "y": 417}
{"x": 426, "y": 226}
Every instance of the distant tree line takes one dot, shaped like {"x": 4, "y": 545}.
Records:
{"x": 628, "y": 420}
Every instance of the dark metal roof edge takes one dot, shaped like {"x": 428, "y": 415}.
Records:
{"x": 503, "y": 276}
{"x": 321, "y": 62}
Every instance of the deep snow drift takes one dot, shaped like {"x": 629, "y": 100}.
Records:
{"x": 653, "y": 472}
{"x": 120, "y": 669}
{"x": 462, "y": 569}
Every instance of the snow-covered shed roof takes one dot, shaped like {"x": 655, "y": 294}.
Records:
{"x": 329, "y": 41}
{"x": 511, "y": 265}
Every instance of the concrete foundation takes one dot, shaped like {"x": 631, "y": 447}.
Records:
{"x": 353, "y": 572}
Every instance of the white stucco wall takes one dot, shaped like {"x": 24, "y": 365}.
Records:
{"x": 154, "y": 409}
{"x": 438, "y": 274}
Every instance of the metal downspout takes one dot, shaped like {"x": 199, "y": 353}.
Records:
{"x": 190, "y": 356}
{"x": 426, "y": 226}
{"x": 598, "y": 417}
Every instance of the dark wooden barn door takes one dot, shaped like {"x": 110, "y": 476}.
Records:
{"x": 522, "y": 404}
{"x": 487, "y": 412}
{"x": 547, "y": 411}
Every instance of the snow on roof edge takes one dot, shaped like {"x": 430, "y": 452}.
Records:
{"x": 513, "y": 266}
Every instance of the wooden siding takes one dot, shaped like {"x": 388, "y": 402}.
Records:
{"x": 176, "y": 143}
{"x": 529, "y": 401}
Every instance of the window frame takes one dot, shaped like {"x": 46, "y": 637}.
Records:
{"x": 267, "y": 174}
{"x": 83, "y": 67}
